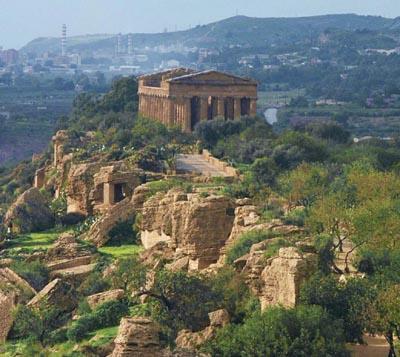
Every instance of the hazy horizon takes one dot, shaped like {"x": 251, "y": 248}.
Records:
{"x": 23, "y": 20}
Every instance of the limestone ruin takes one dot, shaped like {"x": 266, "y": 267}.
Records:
{"x": 184, "y": 97}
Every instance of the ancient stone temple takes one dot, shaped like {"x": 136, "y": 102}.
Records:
{"x": 185, "y": 97}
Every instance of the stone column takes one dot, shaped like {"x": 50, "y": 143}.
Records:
{"x": 221, "y": 107}
{"x": 237, "y": 104}
{"x": 186, "y": 115}
{"x": 171, "y": 112}
{"x": 203, "y": 108}
{"x": 253, "y": 107}
{"x": 108, "y": 194}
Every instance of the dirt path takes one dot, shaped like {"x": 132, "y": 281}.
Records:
{"x": 197, "y": 164}
{"x": 375, "y": 347}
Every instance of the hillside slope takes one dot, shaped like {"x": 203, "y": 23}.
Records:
{"x": 236, "y": 30}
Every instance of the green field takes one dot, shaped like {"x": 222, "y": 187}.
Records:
{"x": 277, "y": 98}
{"x": 34, "y": 241}
{"x": 123, "y": 251}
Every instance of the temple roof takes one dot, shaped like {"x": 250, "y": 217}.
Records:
{"x": 208, "y": 77}
{"x": 189, "y": 76}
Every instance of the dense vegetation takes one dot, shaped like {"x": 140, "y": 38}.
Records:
{"x": 344, "y": 193}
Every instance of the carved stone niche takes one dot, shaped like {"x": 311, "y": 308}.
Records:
{"x": 113, "y": 184}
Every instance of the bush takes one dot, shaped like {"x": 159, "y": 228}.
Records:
{"x": 93, "y": 284}
{"x": 304, "y": 331}
{"x": 106, "y": 315}
{"x": 264, "y": 171}
{"x": 244, "y": 243}
{"x": 35, "y": 273}
{"x": 346, "y": 302}
{"x": 296, "y": 217}
{"x": 122, "y": 233}
{"x": 36, "y": 324}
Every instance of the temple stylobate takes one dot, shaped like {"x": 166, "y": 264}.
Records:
{"x": 185, "y": 97}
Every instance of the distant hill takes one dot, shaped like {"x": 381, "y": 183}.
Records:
{"x": 238, "y": 30}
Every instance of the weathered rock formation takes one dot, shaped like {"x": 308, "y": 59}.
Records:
{"x": 138, "y": 337}
{"x": 57, "y": 293}
{"x": 79, "y": 185}
{"x": 284, "y": 275}
{"x": 193, "y": 225}
{"x": 188, "y": 340}
{"x": 7, "y": 305}
{"x": 29, "y": 213}
{"x": 13, "y": 290}
{"x": 11, "y": 283}
{"x": 277, "y": 280}
{"x": 121, "y": 212}
{"x": 248, "y": 219}
{"x": 101, "y": 298}
{"x": 66, "y": 247}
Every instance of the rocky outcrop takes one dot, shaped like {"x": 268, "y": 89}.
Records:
{"x": 121, "y": 212}
{"x": 11, "y": 283}
{"x": 7, "y": 305}
{"x": 13, "y": 290}
{"x": 277, "y": 280}
{"x": 248, "y": 219}
{"x": 101, "y": 298}
{"x": 284, "y": 275}
{"x": 138, "y": 337}
{"x": 193, "y": 225}
{"x": 29, "y": 213}
{"x": 67, "y": 247}
{"x": 57, "y": 293}
{"x": 188, "y": 340}
{"x": 80, "y": 183}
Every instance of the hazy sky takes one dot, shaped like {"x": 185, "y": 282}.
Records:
{"x": 24, "y": 20}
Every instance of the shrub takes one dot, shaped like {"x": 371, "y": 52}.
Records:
{"x": 36, "y": 324}
{"x": 123, "y": 233}
{"x": 348, "y": 303}
{"x": 296, "y": 217}
{"x": 304, "y": 331}
{"x": 35, "y": 273}
{"x": 273, "y": 248}
{"x": 244, "y": 243}
{"x": 93, "y": 284}
{"x": 106, "y": 315}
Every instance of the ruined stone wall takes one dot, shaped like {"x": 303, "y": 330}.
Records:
{"x": 194, "y": 226}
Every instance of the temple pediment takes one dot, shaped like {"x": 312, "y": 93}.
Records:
{"x": 211, "y": 77}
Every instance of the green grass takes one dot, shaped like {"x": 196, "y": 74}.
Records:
{"x": 122, "y": 251}
{"x": 95, "y": 339}
{"x": 34, "y": 241}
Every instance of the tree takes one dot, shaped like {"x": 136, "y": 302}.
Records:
{"x": 122, "y": 97}
{"x": 305, "y": 184}
{"x": 129, "y": 275}
{"x": 345, "y": 302}
{"x": 304, "y": 331}
{"x": 264, "y": 171}
{"x": 384, "y": 316}
{"x": 37, "y": 323}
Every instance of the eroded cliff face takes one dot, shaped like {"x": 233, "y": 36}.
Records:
{"x": 30, "y": 212}
{"x": 193, "y": 225}
{"x": 79, "y": 185}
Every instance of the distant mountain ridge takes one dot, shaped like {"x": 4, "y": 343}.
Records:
{"x": 238, "y": 30}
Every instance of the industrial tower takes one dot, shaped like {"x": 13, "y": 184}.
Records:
{"x": 64, "y": 40}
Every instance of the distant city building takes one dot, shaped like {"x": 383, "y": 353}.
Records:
{"x": 9, "y": 57}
